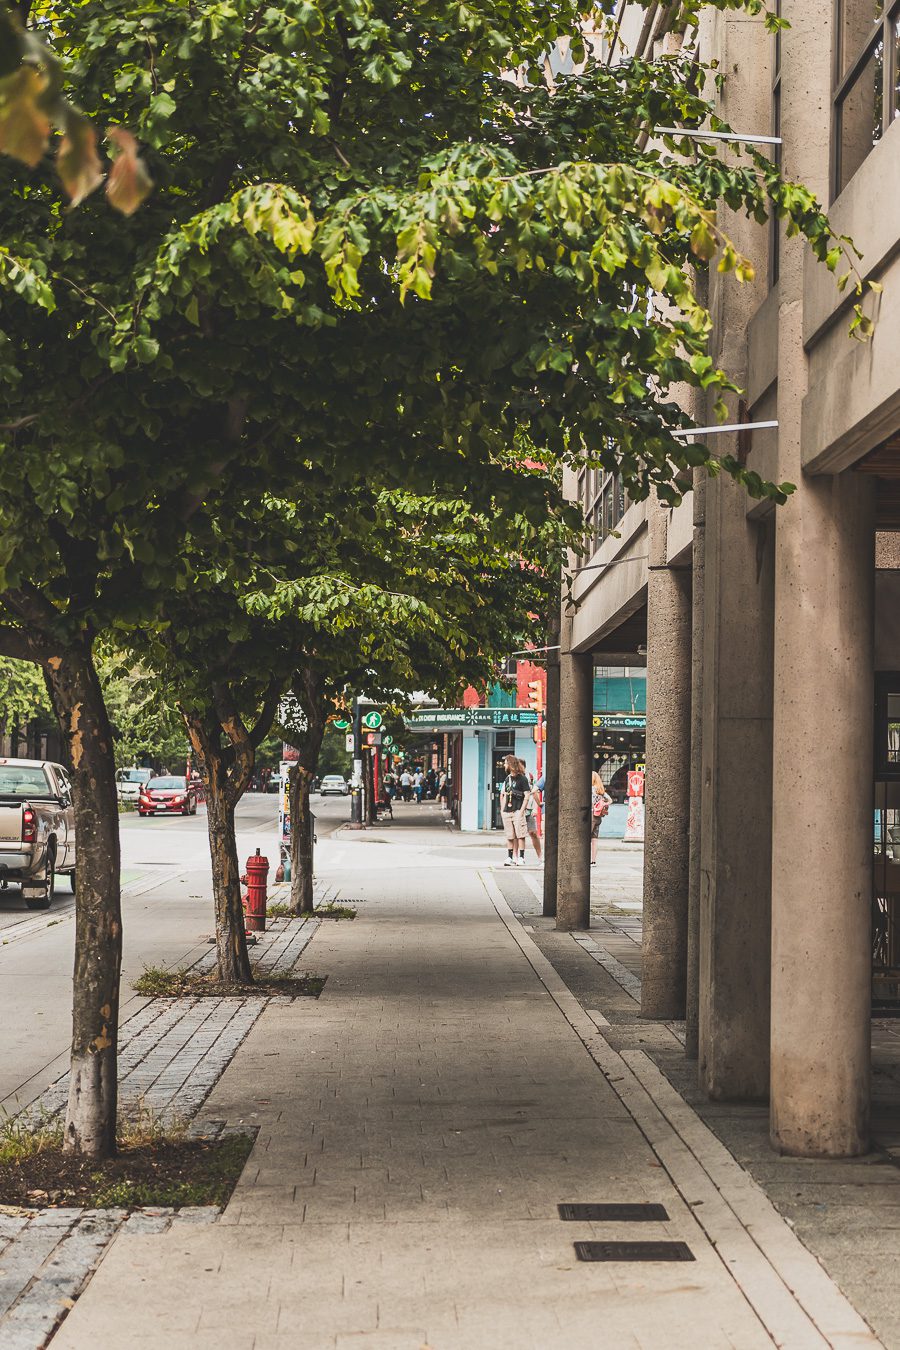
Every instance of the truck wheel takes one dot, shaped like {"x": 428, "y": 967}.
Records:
{"x": 46, "y": 900}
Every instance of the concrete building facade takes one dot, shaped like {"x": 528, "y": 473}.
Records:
{"x": 772, "y": 635}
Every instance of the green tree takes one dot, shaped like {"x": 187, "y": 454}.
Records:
{"x": 144, "y": 725}
{"x": 366, "y": 249}
{"x": 23, "y": 694}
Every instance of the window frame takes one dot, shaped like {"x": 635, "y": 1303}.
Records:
{"x": 886, "y": 683}
{"x": 881, "y": 31}
{"x": 603, "y": 502}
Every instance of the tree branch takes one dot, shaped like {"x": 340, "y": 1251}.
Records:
{"x": 21, "y": 646}
{"x": 267, "y": 714}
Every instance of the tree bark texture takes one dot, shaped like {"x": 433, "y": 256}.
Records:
{"x": 224, "y": 784}
{"x": 80, "y": 709}
{"x": 232, "y": 957}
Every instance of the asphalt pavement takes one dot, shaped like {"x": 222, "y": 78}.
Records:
{"x": 167, "y": 917}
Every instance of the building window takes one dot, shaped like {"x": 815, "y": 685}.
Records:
{"x": 867, "y": 67}
{"x": 604, "y": 502}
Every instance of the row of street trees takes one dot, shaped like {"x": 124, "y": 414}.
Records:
{"x": 295, "y": 417}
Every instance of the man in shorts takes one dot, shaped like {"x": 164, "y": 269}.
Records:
{"x": 515, "y": 795}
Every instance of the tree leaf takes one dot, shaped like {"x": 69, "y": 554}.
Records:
{"x": 24, "y": 126}
{"x": 129, "y": 184}
{"x": 77, "y": 161}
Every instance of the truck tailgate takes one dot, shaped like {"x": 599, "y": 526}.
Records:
{"x": 10, "y": 825}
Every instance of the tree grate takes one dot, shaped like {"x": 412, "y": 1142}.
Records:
{"x": 634, "y": 1213}
{"x": 633, "y": 1251}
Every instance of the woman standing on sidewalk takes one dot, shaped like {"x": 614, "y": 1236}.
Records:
{"x": 513, "y": 798}
{"x": 600, "y": 804}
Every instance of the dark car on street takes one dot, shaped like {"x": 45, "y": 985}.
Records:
{"x": 170, "y": 795}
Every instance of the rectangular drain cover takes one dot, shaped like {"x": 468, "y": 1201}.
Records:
{"x": 633, "y": 1251}
{"x": 641, "y": 1213}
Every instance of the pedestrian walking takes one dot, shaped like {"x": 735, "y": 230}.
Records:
{"x": 419, "y": 784}
{"x": 513, "y": 798}
{"x": 600, "y": 804}
{"x": 406, "y": 784}
{"x": 443, "y": 789}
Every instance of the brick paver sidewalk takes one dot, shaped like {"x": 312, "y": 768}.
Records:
{"x": 418, "y": 1127}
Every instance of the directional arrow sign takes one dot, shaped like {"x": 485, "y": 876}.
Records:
{"x": 373, "y": 720}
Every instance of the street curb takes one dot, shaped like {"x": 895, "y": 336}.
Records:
{"x": 793, "y": 1296}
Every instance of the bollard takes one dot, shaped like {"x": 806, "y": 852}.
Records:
{"x": 255, "y": 899}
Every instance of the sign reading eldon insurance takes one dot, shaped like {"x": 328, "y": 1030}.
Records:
{"x": 457, "y": 719}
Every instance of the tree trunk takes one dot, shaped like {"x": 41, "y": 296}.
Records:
{"x": 78, "y": 702}
{"x": 232, "y": 957}
{"x": 301, "y": 841}
{"x": 301, "y": 835}
{"x": 224, "y": 783}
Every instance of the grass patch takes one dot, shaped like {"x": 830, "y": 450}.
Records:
{"x": 333, "y": 911}
{"x": 154, "y": 982}
{"x": 281, "y": 912}
{"x": 151, "y": 1168}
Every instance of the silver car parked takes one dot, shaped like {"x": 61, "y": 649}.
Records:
{"x": 37, "y": 827}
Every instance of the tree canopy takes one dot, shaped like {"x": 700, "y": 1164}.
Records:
{"x": 370, "y": 256}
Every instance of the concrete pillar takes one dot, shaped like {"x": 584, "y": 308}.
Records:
{"x": 735, "y": 801}
{"x": 823, "y": 700}
{"x": 551, "y": 782}
{"x": 822, "y": 820}
{"x": 732, "y": 822}
{"x": 698, "y": 578}
{"x": 664, "y": 951}
{"x": 576, "y": 698}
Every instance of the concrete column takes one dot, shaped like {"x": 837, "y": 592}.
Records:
{"x": 551, "y": 782}
{"x": 822, "y": 820}
{"x": 823, "y": 699}
{"x": 732, "y": 872}
{"x": 698, "y": 577}
{"x": 576, "y": 698}
{"x": 735, "y": 800}
{"x": 664, "y": 952}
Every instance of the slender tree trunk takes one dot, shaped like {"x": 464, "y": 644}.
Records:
{"x": 301, "y": 842}
{"x": 232, "y": 957}
{"x": 223, "y": 791}
{"x": 78, "y": 702}
{"x": 301, "y": 835}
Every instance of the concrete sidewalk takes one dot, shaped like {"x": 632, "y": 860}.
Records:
{"x": 418, "y": 1127}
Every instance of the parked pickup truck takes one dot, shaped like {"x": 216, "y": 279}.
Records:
{"x": 37, "y": 828}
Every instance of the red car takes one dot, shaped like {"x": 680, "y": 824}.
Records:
{"x": 170, "y": 796}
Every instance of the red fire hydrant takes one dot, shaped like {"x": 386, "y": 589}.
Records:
{"x": 255, "y": 898}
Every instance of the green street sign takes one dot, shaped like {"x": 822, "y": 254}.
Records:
{"x": 341, "y": 724}
{"x": 388, "y": 740}
{"x": 373, "y": 720}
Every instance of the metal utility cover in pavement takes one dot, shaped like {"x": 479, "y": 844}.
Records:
{"x": 635, "y": 1213}
{"x": 633, "y": 1251}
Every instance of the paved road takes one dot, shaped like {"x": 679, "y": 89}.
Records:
{"x": 167, "y": 914}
